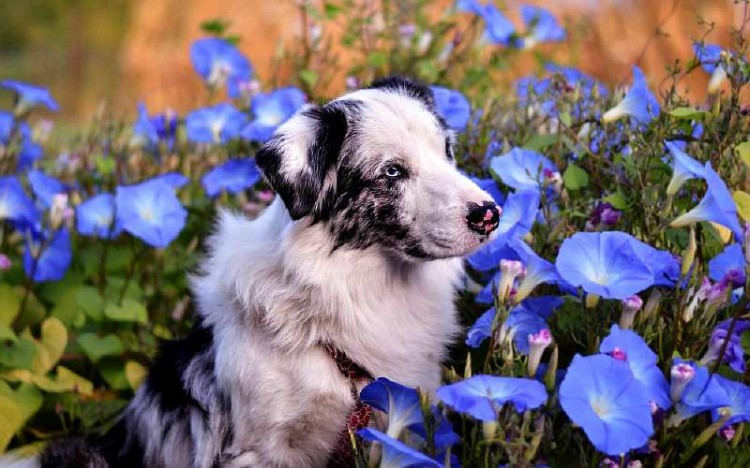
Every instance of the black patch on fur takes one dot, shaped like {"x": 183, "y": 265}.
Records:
{"x": 165, "y": 378}
{"x": 413, "y": 88}
{"x": 72, "y": 452}
{"x": 301, "y": 192}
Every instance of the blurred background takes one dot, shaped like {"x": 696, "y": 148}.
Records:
{"x": 125, "y": 51}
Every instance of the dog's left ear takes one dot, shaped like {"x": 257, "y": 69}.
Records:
{"x": 303, "y": 151}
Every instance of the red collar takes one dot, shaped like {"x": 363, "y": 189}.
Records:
{"x": 359, "y": 416}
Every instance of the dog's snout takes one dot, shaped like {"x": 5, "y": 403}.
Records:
{"x": 483, "y": 218}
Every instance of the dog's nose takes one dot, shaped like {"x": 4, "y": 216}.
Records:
{"x": 484, "y": 218}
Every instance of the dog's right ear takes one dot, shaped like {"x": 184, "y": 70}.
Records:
{"x": 302, "y": 152}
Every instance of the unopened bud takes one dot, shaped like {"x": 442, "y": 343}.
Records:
{"x": 538, "y": 342}
{"x": 630, "y": 307}
{"x": 688, "y": 256}
{"x": 682, "y": 373}
{"x": 509, "y": 271}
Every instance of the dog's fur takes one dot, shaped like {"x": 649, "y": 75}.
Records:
{"x": 345, "y": 255}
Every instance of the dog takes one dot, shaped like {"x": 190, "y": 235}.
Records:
{"x": 350, "y": 273}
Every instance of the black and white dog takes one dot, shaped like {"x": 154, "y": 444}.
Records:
{"x": 357, "y": 260}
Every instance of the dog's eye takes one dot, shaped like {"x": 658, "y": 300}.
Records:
{"x": 394, "y": 171}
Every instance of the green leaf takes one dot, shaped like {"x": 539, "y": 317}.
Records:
{"x": 65, "y": 381}
{"x": 575, "y": 178}
{"x": 52, "y": 343}
{"x": 540, "y": 142}
{"x": 135, "y": 373}
{"x": 687, "y": 113}
{"x": 66, "y": 307}
{"x": 215, "y": 26}
{"x": 105, "y": 165}
{"x": 33, "y": 312}
{"x": 16, "y": 407}
{"x": 617, "y": 200}
{"x": 743, "y": 151}
{"x": 377, "y": 59}
{"x": 96, "y": 347}
{"x": 130, "y": 311}
{"x": 7, "y": 334}
{"x": 10, "y": 302}
{"x": 742, "y": 199}
{"x": 90, "y": 302}
{"x": 332, "y": 10}
{"x": 113, "y": 371}
{"x": 309, "y": 77}
{"x": 19, "y": 355}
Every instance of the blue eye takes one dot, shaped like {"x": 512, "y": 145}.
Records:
{"x": 393, "y": 171}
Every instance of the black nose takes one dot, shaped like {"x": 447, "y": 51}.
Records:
{"x": 483, "y": 219}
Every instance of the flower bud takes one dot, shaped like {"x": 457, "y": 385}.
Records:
{"x": 727, "y": 433}
{"x": 538, "y": 342}
{"x": 510, "y": 270}
{"x": 591, "y": 301}
{"x": 489, "y": 429}
{"x": 652, "y": 304}
{"x": 630, "y": 307}
{"x": 60, "y": 211}
{"x": 688, "y": 256}
{"x": 5, "y": 262}
{"x": 682, "y": 373}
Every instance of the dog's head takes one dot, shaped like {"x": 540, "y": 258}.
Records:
{"x": 376, "y": 166}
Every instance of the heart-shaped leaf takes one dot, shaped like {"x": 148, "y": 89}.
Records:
{"x": 135, "y": 373}
{"x": 65, "y": 381}
{"x": 20, "y": 354}
{"x": 97, "y": 347}
{"x": 52, "y": 343}
{"x": 90, "y": 302}
{"x": 130, "y": 311}
{"x": 16, "y": 407}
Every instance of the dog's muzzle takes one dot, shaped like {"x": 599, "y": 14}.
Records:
{"x": 484, "y": 218}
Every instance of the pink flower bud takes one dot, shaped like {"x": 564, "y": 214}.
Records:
{"x": 510, "y": 270}
{"x": 682, "y": 373}
{"x": 5, "y": 262}
{"x": 538, "y": 342}
{"x": 727, "y": 433}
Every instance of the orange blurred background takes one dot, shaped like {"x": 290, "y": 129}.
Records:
{"x": 128, "y": 51}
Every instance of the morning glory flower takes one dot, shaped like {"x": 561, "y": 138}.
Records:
{"x": 481, "y": 330}
{"x": 738, "y": 409}
{"x": 730, "y": 263}
{"x": 538, "y": 270}
{"x": 716, "y": 206}
{"x": 165, "y": 125}
{"x": 600, "y": 394}
{"x": 271, "y": 110}
{"x": 15, "y": 205}
{"x": 443, "y": 437}
{"x": 482, "y": 396}
{"x": 144, "y": 131}
{"x": 701, "y": 393}
{"x": 522, "y": 169}
{"x": 498, "y": 29}
{"x": 96, "y": 217}
{"x": 734, "y": 354}
{"x": 399, "y": 402}
{"x": 452, "y": 106}
{"x": 528, "y": 318}
{"x": 45, "y": 187}
{"x": 150, "y": 211}
{"x": 217, "y": 124}
{"x": 604, "y": 263}
{"x": 30, "y": 96}
{"x": 490, "y": 186}
{"x": 233, "y": 176}
{"x": 28, "y": 154}
{"x": 639, "y": 103}
{"x": 684, "y": 168}
{"x": 172, "y": 179}
{"x": 642, "y": 362}
{"x": 541, "y": 26}
{"x": 709, "y": 56}
{"x": 219, "y": 62}
{"x": 47, "y": 259}
{"x": 396, "y": 454}
{"x": 6, "y": 126}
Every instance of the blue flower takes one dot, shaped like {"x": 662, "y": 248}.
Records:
{"x": 28, "y": 154}
{"x": 30, "y": 96}
{"x": 498, "y": 29}
{"x": 529, "y": 318}
{"x": 490, "y": 186}
{"x": 144, "y": 131}
{"x": 709, "y": 56}
{"x": 96, "y": 217}
{"x": 150, "y": 211}
{"x": 52, "y": 256}
{"x": 538, "y": 270}
{"x": 541, "y": 26}
{"x": 165, "y": 125}
{"x": 631, "y": 348}
{"x": 738, "y": 409}
{"x": 443, "y": 437}
{"x": 271, "y": 110}
{"x": 702, "y": 393}
{"x": 482, "y": 396}
{"x": 481, "y": 330}
{"x": 45, "y": 187}
{"x": 605, "y": 264}
{"x": 15, "y": 205}
{"x": 519, "y": 212}
{"x": 399, "y": 402}
{"x": 233, "y": 176}
{"x": 639, "y": 103}
{"x": 396, "y": 454}
{"x": 734, "y": 354}
{"x": 219, "y": 62}
{"x": 522, "y": 169}
{"x": 600, "y": 394}
{"x": 217, "y": 124}
{"x": 684, "y": 168}
{"x": 731, "y": 261}
{"x": 172, "y": 179}
{"x": 6, "y": 126}
{"x": 716, "y": 206}
{"x": 664, "y": 265}
{"x": 452, "y": 106}
{"x": 489, "y": 255}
